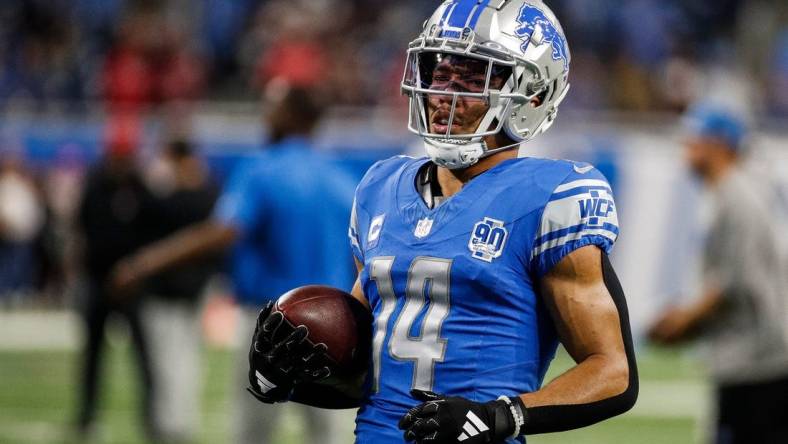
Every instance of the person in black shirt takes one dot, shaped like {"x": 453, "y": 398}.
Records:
{"x": 115, "y": 217}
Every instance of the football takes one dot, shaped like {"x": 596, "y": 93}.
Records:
{"x": 336, "y": 319}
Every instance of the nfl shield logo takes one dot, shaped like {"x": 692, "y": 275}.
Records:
{"x": 487, "y": 239}
{"x": 423, "y": 228}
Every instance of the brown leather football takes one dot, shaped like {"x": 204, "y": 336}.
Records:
{"x": 334, "y": 318}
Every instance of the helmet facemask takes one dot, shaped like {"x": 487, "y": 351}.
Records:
{"x": 464, "y": 92}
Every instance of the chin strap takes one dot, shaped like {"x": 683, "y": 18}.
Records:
{"x": 503, "y": 148}
{"x": 454, "y": 154}
{"x": 458, "y": 154}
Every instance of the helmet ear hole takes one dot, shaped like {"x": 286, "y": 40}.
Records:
{"x": 539, "y": 99}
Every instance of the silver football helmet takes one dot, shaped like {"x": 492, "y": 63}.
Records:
{"x": 476, "y": 69}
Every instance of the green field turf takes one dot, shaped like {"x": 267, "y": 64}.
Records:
{"x": 37, "y": 398}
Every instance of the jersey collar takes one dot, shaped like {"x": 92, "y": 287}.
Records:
{"x": 412, "y": 207}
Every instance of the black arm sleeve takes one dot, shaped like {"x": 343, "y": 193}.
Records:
{"x": 558, "y": 418}
{"x": 324, "y": 397}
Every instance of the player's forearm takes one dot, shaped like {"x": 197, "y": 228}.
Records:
{"x": 191, "y": 243}
{"x": 324, "y": 397}
{"x": 598, "y": 377}
{"x": 332, "y": 393}
{"x": 598, "y": 388}
{"x": 704, "y": 308}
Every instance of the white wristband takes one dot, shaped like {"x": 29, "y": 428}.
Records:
{"x": 519, "y": 421}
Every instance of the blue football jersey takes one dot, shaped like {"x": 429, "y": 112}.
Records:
{"x": 452, "y": 288}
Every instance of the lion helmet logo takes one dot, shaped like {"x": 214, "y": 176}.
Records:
{"x": 529, "y": 18}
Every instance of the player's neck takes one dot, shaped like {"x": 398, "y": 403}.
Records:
{"x": 452, "y": 181}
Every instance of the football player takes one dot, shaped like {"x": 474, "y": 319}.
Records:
{"x": 475, "y": 263}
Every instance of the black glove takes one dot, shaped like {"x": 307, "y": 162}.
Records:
{"x": 281, "y": 356}
{"x": 440, "y": 419}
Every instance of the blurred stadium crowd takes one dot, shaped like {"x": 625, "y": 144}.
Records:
{"x": 633, "y": 55}
{"x": 133, "y": 57}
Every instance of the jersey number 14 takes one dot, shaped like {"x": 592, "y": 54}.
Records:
{"x": 428, "y": 277}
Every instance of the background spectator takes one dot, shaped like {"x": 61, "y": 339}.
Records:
{"x": 21, "y": 220}
{"x": 741, "y": 309}
{"x": 116, "y": 216}
{"x": 185, "y": 195}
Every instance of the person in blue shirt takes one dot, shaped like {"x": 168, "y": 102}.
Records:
{"x": 475, "y": 263}
{"x": 283, "y": 215}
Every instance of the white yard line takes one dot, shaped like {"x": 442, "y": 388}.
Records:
{"x": 39, "y": 330}
{"x": 673, "y": 399}
{"x": 658, "y": 399}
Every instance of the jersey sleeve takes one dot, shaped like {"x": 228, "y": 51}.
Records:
{"x": 374, "y": 184}
{"x": 242, "y": 201}
{"x": 353, "y": 234}
{"x": 581, "y": 211}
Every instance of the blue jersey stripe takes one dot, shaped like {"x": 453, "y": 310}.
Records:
{"x": 588, "y": 239}
{"x": 576, "y": 191}
{"x": 574, "y": 229}
{"x": 544, "y": 261}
